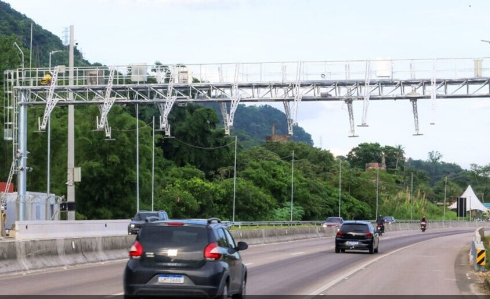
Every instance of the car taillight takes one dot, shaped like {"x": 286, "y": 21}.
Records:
{"x": 136, "y": 250}
{"x": 211, "y": 252}
{"x": 339, "y": 234}
{"x": 369, "y": 235}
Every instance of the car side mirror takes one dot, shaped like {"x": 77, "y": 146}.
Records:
{"x": 241, "y": 246}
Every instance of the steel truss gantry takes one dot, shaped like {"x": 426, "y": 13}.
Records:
{"x": 288, "y": 82}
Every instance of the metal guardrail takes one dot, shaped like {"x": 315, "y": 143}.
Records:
{"x": 319, "y": 223}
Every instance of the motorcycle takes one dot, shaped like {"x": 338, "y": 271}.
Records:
{"x": 380, "y": 229}
{"x": 422, "y": 226}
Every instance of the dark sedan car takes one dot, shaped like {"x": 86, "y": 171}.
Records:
{"x": 356, "y": 235}
{"x": 143, "y": 217}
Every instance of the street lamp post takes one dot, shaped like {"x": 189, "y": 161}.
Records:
{"x": 340, "y": 182}
{"x": 411, "y": 200}
{"x": 445, "y": 189}
{"x": 377, "y": 192}
{"x": 292, "y": 185}
{"x": 153, "y": 166}
{"x": 51, "y": 53}
{"x": 234, "y": 179}
{"x": 22, "y": 62}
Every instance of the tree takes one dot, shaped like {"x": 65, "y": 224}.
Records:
{"x": 434, "y": 157}
{"x": 365, "y": 153}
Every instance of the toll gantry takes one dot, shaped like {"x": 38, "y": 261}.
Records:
{"x": 230, "y": 84}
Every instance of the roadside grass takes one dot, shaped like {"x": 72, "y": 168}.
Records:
{"x": 486, "y": 242}
{"x": 401, "y": 206}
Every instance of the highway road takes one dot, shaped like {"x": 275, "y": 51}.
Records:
{"x": 408, "y": 263}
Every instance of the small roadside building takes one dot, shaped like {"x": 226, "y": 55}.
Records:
{"x": 474, "y": 206}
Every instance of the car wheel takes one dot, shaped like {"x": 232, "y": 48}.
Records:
{"x": 241, "y": 294}
{"x": 224, "y": 292}
{"x": 371, "y": 248}
{"x": 342, "y": 250}
{"x": 376, "y": 249}
{"x": 337, "y": 249}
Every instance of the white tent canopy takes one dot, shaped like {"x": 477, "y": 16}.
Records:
{"x": 472, "y": 201}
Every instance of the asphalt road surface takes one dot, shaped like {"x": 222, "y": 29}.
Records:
{"x": 408, "y": 263}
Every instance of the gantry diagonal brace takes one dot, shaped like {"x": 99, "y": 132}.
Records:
{"x": 50, "y": 100}
{"x": 367, "y": 95}
{"x": 235, "y": 100}
{"x": 297, "y": 93}
{"x": 169, "y": 103}
{"x": 287, "y": 106}
{"x": 104, "y": 109}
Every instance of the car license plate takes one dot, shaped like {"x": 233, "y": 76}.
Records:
{"x": 352, "y": 243}
{"x": 171, "y": 279}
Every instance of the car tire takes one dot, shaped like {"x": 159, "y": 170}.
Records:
{"x": 242, "y": 292}
{"x": 376, "y": 249}
{"x": 371, "y": 248}
{"x": 337, "y": 249}
{"x": 224, "y": 292}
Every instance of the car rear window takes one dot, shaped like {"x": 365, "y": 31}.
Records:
{"x": 354, "y": 227}
{"x": 143, "y": 216}
{"x": 184, "y": 237}
{"x": 333, "y": 219}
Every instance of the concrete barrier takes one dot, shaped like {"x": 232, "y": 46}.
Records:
{"x": 28, "y": 255}
{"x": 29, "y": 230}
{"x": 25, "y": 255}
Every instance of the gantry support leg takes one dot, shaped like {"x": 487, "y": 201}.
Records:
{"x": 350, "y": 108}
{"x": 289, "y": 119}
{"x": 415, "y": 117}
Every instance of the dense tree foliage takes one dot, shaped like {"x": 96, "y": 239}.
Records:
{"x": 195, "y": 168}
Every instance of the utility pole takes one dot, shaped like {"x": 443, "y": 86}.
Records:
{"x": 71, "y": 132}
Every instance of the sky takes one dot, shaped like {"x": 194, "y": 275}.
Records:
{"x": 122, "y": 32}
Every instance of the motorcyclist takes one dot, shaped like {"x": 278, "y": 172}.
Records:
{"x": 423, "y": 221}
{"x": 381, "y": 222}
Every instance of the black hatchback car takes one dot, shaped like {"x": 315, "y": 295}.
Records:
{"x": 185, "y": 258}
{"x": 356, "y": 235}
{"x": 143, "y": 217}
